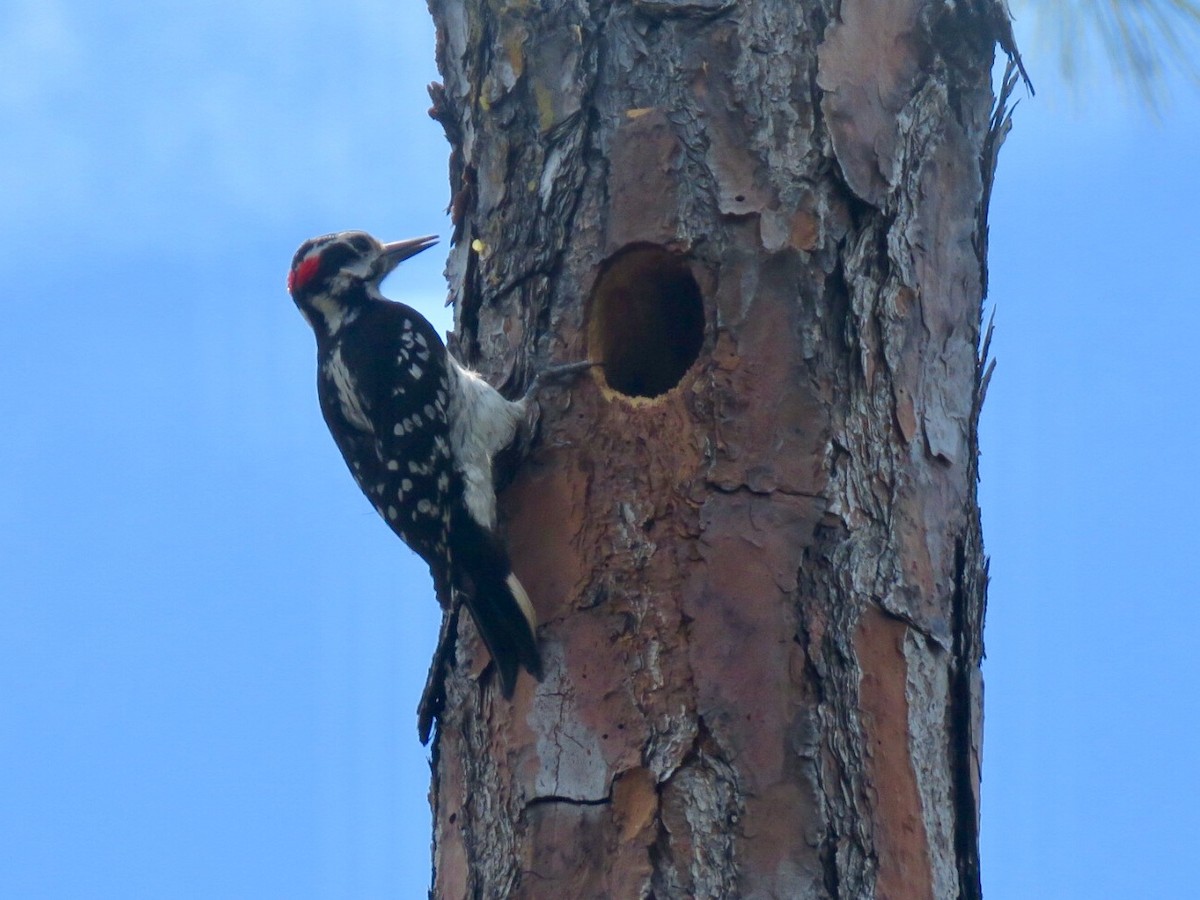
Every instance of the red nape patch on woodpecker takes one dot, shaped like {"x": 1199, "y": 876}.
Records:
{"x": 300, "y": 275}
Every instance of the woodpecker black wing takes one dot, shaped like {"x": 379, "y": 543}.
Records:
{"x": 385, "y": 387}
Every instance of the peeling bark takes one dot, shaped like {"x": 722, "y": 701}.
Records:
{"x": 762, "y": 590}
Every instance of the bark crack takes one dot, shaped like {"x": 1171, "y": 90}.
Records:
{"x": 961, "y": 727}
{"x": 571, "y": 801}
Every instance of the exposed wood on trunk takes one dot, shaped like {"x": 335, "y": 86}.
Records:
{"x": 761, "y": 589}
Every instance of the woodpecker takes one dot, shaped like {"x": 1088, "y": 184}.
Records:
{"x": 419, "y": 432}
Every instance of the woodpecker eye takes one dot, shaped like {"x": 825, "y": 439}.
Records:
{"x": 325, "y": 255}
{"x": 361, "y": 243}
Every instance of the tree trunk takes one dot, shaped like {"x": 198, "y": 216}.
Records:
{"x": 753, "y": 538}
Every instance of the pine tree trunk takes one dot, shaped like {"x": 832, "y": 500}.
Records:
{"x": 753, "y": 539}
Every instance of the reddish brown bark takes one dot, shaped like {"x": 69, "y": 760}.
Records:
{"x": 762, "y": 587}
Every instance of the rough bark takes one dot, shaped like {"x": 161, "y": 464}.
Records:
{"x": 762, "y": 589}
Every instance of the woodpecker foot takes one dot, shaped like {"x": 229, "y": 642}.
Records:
{"x": 509, "y": 459}
{"x": 560, "y": 371}
{"x": 433, "y": 698}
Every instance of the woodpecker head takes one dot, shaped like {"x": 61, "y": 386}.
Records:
{"x": 332, "y": 276}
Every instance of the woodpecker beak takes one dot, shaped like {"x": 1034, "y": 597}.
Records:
{"x": 398, "y": 251}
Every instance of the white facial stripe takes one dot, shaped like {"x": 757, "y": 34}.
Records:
{"x": 347, "y": 393}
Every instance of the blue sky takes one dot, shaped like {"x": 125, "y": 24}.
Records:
{"x": 212, "y": 651}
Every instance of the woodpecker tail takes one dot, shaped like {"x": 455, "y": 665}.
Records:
{"x": 506, "y": 622}
{"x": 501, "y": 609}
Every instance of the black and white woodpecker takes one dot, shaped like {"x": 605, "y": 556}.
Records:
{"x": 419, "y": 432}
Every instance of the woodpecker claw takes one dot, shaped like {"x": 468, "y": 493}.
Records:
{"x": 559, "y": 371}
